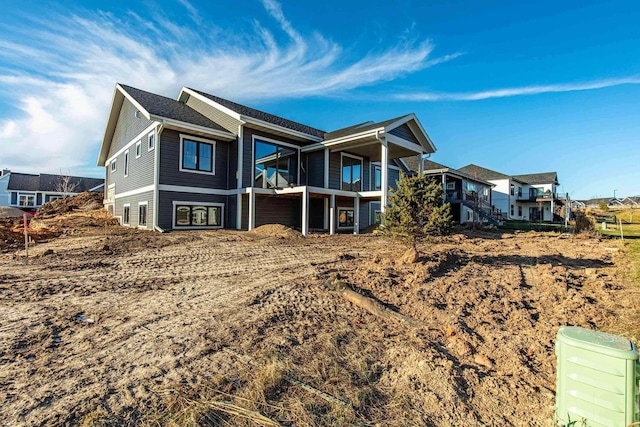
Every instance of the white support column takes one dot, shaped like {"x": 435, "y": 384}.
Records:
{"x": 239, "y": 177}
{"x": 305, "y": 211}
{"x": 326, "y": 168}
{"x": 356, "y": 215}
{"x": 444, "y": 189}
{"x": 332, "y": 215}
{"x": 384, "y": 175}
{"x": 239, "y": 212}
{"x": 420, "y": 165}
{"x": 325, "y": 224}
{"x": 252, "y": 209}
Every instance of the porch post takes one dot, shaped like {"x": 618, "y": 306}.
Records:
{"x": 356, "y": 215}
{"x": 305, "y": 211}
{"x": 332, "y": 215}
{"x": 326, "y": 168}
{"x": 384, "y": 175}
{"x": 325, "y": 224}
{"x": 252, "y": 209}
{"x": 420, "y": 165}
{"x": 239, "y": 212}
{"x": 444, "y": 189}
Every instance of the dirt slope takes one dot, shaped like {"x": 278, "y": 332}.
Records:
{"x": 137, "y": 328}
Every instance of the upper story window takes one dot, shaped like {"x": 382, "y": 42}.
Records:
{"x": 513, "y": 190}
{"x": 197, "y": 155}
{"x": 351, "y": 173}
{"x": 152, "y": 141}
{"x": 113, "y": 165}
{"x": 126, "y": 163}
{"x": 138, "y": 149}
{"x": 275, "y": 165}
{"x": 377, "y": 178}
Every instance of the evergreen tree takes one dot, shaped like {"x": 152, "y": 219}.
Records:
{"x": 417, "y": 210}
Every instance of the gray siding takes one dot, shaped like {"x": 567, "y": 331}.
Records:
{"x": 364, "y": 215}
{"x": 374, "y": 206}
{"x": 315, "y": 168}
{"x": 165, "y": 207}
{"x": 223, "y": 119}
{"x": 127, "y": 128}
{"x": 141, "y": 170}
{"x": 394, "y": 175}
{"x": 278, "y": 210}
{"x": 247, "y": 157}
{"x": 405, "y": 132}
{"x": 170, "y": 173}
{"x": 134, "y": 202}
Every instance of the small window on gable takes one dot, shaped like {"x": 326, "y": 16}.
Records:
{"x": 152, "y": 141}
{"x": 126, "y": 163}
{"x": 138, "y": 149}
{"x": 113, "y": 165}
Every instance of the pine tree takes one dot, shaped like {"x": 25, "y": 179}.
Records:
{"x": 417, "y": 210}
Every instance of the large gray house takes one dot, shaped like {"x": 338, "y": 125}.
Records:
{"x": 205, "y": 162}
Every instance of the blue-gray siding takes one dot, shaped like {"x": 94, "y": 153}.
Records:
{"x": 335, "y": 171}
{"x": 315, "y": 168}
{"x": 128, "y": 127}
{"x": 405, "y": 132}
{"x": 170, "y": 173}
{"x": 141, "y": 170}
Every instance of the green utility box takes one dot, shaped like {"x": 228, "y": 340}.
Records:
{"x": 596, "y": 382}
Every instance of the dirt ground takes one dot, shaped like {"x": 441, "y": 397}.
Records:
{"x": 222, "y": 327}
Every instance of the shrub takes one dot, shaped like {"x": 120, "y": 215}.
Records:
{"x": 584, "y": 224}
{"x": 417, "y": 210}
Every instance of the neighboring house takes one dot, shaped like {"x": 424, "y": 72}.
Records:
{"x": 612, "y": 202}
{"x": 469, "y": 197}
{"x": 5, "y": 197}
{"x": 529, "y": 197}
{"x": 28, "y": 191}
{"x": 205, "y": 162}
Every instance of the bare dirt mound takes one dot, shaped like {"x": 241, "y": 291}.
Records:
{"x": 9, "y": 212}
{"x": 276, "y": 230}
{"x": 84, "y": 202}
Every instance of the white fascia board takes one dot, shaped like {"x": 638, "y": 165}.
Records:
{"x": 149, "y": 129}
{"x": 109, "y": 129}
{"x": 401, "y": 142}
{"x": 196, "y": 128}
{"x": 336, "y": 141}
{"x": 211, "y": 102}
{"x": 271, "y": 126}
{"x": 136, "y": 104}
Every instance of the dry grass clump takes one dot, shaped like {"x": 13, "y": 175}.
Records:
{"x": 584, "y": 224}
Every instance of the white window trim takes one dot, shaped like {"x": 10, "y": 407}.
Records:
{"x": 35, "y": 200}
{"x": 138, "y": 149}
{"x": 126, "y": 205}
{"x": 151, "y": 135}
{"x": 213, "y": 154}
{"x": 353, "y": 156}
{"x": 273, "y": 141}
{"x": 190, "y": 227}
{"x": 126, "y": 163}
{"x": 345, "y": 208}
{"x": 372, "y": 177}
{"x": 114, "y": 165}
{"x": 145, "y": 203}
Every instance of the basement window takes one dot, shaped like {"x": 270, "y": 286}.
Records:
{"x": 198, "y": 215}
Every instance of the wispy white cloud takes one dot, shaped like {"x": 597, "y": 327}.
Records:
{"x": 517, "y": 91}
{"x": 60, "y": 73}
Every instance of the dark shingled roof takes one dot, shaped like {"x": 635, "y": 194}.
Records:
{"x": 261, "y": 115}
{"x": 162, "y": 106}
{"x": 430, "y": 165}
{"x": 482, "y": 173}
{"x": 48, "y": 182}
{"x": 362, "y": 127}
{"x": 538, "y": 178}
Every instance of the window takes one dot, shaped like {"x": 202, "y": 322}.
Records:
{"x": 513, "y": 190}
{"x": 27, "y": 200}
{"x": 138, "y": 149}
{"x": 126, "y": 163}
{"x": 198, "y": 215}
{"x": 152, "y": 141}
{"x": 275, "y": 165}
{"x": 511, "y": 210}
{"x": 142, "y": 215}
{"x": 125, "y": 214}
{"x": 377, "y": 177}
{"x": 519, "y": 210}
{"x": 52, "y": 198}
{"x": 113, "y": 165}
{"x": 377, "y": 216}
{"x": 345, "y": 218}
{"x": 451, "y": 185}
{"x": 197, "y": 155}
{"x": 519, "y": 191}
{"x": 351, "y": 173}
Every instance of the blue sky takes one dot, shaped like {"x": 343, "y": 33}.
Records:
{"x": 519, "y": 87}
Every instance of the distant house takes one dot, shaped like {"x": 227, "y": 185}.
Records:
{"x": 528, "y": 197}
{"x": 596, "y": 202}
{"x": 29, "y": 191}
{"x": 469, "y": 196}
{"x": 200, "y": 161}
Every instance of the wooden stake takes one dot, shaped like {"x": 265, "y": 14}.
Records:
{"x": 621, "y": 233}
{"x": 26, "y": 235}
